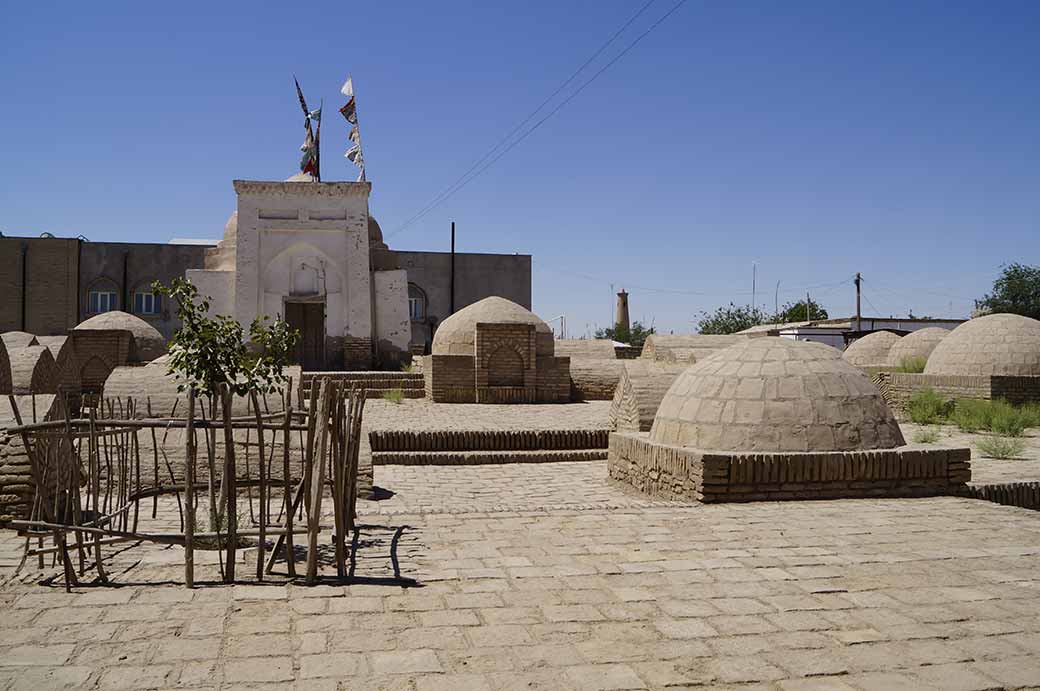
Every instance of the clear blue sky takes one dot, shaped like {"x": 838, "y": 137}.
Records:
{"x": 815, "y": 139}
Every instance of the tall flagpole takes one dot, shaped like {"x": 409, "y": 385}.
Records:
{"x": 317, "y": 143}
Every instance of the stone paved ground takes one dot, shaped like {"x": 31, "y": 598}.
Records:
{"x": 554, "y": 579}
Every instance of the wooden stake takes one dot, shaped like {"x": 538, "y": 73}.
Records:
{"x": 189, "y": 494}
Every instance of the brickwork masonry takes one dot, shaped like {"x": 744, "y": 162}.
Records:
{"x": 898, "y": 387}
{"x": 679, "y": 473}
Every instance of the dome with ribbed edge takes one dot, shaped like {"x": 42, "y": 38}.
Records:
{"x": 916, "y": 344}
{"x": 775, "y": 395}
{"x": 148, "y": 342}
{"x": 455, "y": 334}
{"x": 993, "y": 345}
{"x": 871, "y": 350}
{"x": 375, "y": 234}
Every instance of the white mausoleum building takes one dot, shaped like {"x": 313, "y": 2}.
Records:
{"x": 310, "y": 251}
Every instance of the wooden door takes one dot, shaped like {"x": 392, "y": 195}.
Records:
{"x": 309, "y": 319}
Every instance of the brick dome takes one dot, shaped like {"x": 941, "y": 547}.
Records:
{"x": 33, "y": 370}
{"x": 916, "y": 344}
{"x": 454, "y": 336}
{"x": 871, "y": 350}
{"x": 775, "y": 395}
{"x": 18, "y": 339}
{"x": 997, "y": 344}
{"x": 148, "y": 342}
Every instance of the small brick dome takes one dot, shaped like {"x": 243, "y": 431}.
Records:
{"x": 916, "y": 344}
{"x": 774, "y": 395}
{"x": 994, "y": 345}
{"x": 871, "y": 350}
{"x": 454, "y": 336}
{"x": 148, "y": 342}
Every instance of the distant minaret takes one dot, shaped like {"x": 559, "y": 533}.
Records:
{"x": 621, "y": 321}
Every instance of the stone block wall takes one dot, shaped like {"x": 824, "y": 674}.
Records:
{"x": 688, "y": 474}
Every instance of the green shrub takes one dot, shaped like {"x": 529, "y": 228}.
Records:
{"x": 999, "y": 417}
{"x": 1001, "y": 447}
{"x": 912, "y": 365}
{"x": 394, "y": 396}
{"x": 926, "y": 436}
{"x": 926, "y": 407}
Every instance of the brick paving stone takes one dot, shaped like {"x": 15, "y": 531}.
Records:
{"x": 269, "y": 669}
{"x": 335, "y": 665}
{"x": 405, "y": 662}
{"x": 604, "y": 677}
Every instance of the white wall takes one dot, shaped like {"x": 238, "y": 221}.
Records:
{"x": 390, "y": 295}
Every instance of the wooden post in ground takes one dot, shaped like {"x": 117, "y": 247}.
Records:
{"x": 230, "y": 481}
{"x": 317, "y": 480}
{"x": 263, "y": 489}
{"x": 189, "y": 493}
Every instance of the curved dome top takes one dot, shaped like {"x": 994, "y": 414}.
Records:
{"x": 375, "y": 234}
{"x": 149, "y": 343}
{"x": 997, "y": 344}
{"x": 871, "y": 350}
{"x": 916, "y": 344}
{"x": 18, "y": 339}
{"x": 775, "y": 395}
{"x": 454, "y": 336}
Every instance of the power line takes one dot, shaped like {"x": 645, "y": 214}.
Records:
{"x": 440, "y": 197}
{"x": 462, "y": 182}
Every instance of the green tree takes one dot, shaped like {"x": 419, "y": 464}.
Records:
{"x": 634, "y": 336}
{"x": 208, "y": 353}
{"x": 1016, "y": 291}
{"x": 731, "y": 319}
{"x": 795, "y": 312}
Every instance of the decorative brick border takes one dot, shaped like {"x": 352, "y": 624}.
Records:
{"x": 487, "y": 440}
{"x": 679, "y": 473}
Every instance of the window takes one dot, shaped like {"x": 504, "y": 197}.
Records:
{"x": 101, "y": 301}
{"x": 146, "y": 302}
{"x": 416, "y": 303}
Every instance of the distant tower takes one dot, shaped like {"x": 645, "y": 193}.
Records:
{"x": 621, "y": 321}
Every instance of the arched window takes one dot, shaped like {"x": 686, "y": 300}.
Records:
{"x": 146, "y": 301}
{"x": 416, "y": 303}
{"x": 102, "y": 296}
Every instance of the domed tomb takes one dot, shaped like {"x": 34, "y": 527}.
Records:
{"x": 18, "y": 339}
{"x": 775, "y": 395}
{"x": 916, "y": 344}
{"x": 33, "y": 370}
{"x": 993, "y": 345}
{"x": 148, "y": 342}
{"x": 495, "y": 351}
{"x": 455, "y": 335}
{"x": 871, "y": 350}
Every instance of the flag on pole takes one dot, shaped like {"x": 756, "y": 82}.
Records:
{"x": 349, "y": 112}
{"x": 309, "y": 162}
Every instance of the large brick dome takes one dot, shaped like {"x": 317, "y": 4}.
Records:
{"x": 871, "y": 350}
{"x": 916, "y": 344}
{"x": 148, "y": 342}
{"x": 997, "y": 344}
{"x": 455, "y": 334}
{"x": 775, "y": 395}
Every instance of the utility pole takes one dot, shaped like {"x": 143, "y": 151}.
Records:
{"x": 859, "y": 315}
{"x": 776, "y": 302}
{"x": 452, "y": 288}
{"x": 808, "y": 316}
{"x": 754, "y": 277}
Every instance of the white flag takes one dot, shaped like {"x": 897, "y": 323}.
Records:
{"x": 348, "y": 87}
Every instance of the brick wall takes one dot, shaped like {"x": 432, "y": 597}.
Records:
{"x": 51, "y": 269}
{"x": 504, "y": 363}
{"x": 357, "y": 352}
{"x": 554, "y": 379}
{"x": 98, "y": 352}
{"x": 688, "y": 474}
{"x": 898, "y": 387}
{"x": 449, "y": 378}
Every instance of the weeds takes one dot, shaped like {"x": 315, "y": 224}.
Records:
{"x": 1001, "y": 447}
{"x": 926, "y": 407}
{"x": 926, "y": 436}
{"x": 393, "y": 396}
{"x": 912, "y": 365}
